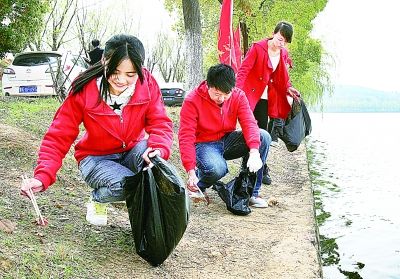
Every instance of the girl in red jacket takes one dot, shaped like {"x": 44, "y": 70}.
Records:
{"x": 118, "y": 102}
{"x": 264, "y": 77}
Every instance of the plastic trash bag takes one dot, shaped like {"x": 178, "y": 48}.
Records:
{"x": 297, "y": 126}
{"x": 237, "y": 192}
{"x": 158, "y": 208}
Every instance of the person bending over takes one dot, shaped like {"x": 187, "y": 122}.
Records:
{"x": 118, "y": 102}
{"x": 208, "y": 136}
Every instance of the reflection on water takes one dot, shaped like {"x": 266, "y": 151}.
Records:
{"x": 355, "y": 171}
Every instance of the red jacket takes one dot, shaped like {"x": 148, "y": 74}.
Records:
{"x": 256, "y": 73}
{"x": 106, "y": 132}
{"x": 202, "y": 120}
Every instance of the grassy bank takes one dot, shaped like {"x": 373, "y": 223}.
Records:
{"x": 67, "y": 247}
{"x": 277, "y": 242}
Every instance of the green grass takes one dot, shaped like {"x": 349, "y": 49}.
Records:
{"x": 33, "y": 115}
{"x": 68, "y": 247}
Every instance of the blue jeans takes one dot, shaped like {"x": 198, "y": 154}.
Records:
{"x": 211, "y": 157}
{"x": 106, "y": 174}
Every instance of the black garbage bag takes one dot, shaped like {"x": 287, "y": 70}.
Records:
{"x": 158, "y": 208}
{"x": 297, "y": 126}
{"x": 237, "y": 192}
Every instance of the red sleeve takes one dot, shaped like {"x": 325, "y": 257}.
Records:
{"x": 158, "y": 124}
{"x": 58, "y": 139}
{"x": 246, "y": 67}
{"x": 287, "y": 60}
{"x": 250, "y": 129}
{"x": 187, "y": 134}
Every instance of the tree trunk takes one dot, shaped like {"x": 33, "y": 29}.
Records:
{"x": 194, "y": 50}
{"x": 245, "y": 37}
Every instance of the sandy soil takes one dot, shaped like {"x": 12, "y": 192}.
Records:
{"x": 276, "y": 242}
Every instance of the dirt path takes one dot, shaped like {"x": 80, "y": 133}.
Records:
{"x": 277, "y": 242}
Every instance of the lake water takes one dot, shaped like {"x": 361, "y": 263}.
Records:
{"x": 355, "y": 169}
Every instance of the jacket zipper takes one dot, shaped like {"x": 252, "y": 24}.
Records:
{"x": 122, "y": 124}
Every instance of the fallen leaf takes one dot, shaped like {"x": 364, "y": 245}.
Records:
{"x": 7, "y": 226}
{"x": 272, "y": 201}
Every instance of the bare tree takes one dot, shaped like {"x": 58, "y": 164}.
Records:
{"x": 127, "y": 19}
{"x": 62, "y": 21}
{"x": 167, "y": 55}
{"x": 151, "y": 60}
{"x": 155, "y": 54}
{"x": 58, "y": 23}
{"x": 178, "y": 64}
{"x": 81, "y": 19}
{"x": 91, "y": 25}
{"x": 191, "y": 16}
{"x": 165, "y": 47}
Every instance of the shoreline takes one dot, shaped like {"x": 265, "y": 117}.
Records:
{"x": 291, "y": 185}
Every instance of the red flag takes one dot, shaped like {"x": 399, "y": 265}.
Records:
{"x": 228, "y": 43}
{"x": 236, "y": 43}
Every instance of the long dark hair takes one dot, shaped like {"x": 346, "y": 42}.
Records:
{"x": 117, "y": 49}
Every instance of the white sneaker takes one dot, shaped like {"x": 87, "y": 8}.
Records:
{"x": 96, "y": 213}
{"x": 258, "y": 202}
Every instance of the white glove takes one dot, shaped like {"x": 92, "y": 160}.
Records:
{"x": 254, "y": 163}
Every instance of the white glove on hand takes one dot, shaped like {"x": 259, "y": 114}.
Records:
{"x": 254, "y": 163}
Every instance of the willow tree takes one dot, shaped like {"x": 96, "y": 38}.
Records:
{"x": 309, "y": 73}
{"x": 259, "y": 17}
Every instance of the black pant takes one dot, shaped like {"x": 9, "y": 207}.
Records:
{"x": 274, "y": 126}
{"x": 261, "y": 114}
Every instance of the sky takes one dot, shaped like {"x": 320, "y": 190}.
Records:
{"x": 363, "y": 38}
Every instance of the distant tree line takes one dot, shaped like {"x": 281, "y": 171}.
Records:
{"x": 183, "y": 57}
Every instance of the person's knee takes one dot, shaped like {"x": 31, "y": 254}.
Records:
{"x": 134, "y": 159}
{"x": 109, "y": 192}
{"x": 214, "y": 173}
{"x": 265, "y": 137}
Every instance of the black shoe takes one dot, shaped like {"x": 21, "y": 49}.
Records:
{"x": 266, "y": 178}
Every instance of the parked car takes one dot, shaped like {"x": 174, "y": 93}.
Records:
{"x": 30, "y": 74}
{"x": 173, "y": 93}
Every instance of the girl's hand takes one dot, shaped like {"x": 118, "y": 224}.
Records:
{"x": 150, "y": 153}
{"x": 294, "y": 93}
{"x": 192, "y": 181}
{"x": 31, "y": 183}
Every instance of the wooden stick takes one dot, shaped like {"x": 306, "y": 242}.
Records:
{"x": 33, "y": 200}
